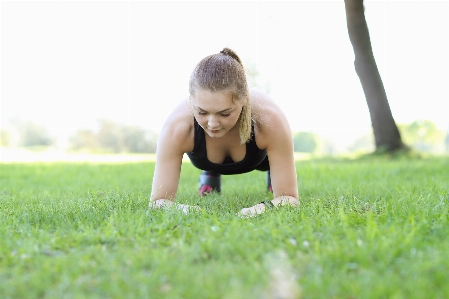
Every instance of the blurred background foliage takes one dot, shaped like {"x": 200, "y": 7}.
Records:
{"x": 420, "y": 135}
{"x": 110, "y": 137}
{"x": 113, "y": 137}
{"x": 423, "y": 135}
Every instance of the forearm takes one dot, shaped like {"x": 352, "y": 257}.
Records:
{"x": 160, "y": 195}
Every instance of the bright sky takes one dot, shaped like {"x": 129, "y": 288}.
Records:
{"x": 65, "y": 64}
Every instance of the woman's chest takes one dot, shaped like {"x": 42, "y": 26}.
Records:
{"x": 218, "y": 149}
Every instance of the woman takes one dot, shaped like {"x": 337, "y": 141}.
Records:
{"x": 225, "y": 129}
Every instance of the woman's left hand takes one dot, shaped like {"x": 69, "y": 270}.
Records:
{"x": 253, "y": 211}
{"x": 275, "y": 203}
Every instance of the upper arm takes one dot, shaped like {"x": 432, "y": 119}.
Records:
{"x": 173, "y": 142}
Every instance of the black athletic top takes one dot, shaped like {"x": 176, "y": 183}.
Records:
{"x": 255, "y": 158}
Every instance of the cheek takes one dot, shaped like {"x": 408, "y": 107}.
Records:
{"x": 234, "y": 120}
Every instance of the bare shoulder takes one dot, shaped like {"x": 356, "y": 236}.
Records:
{"x": 178, "y": 128}
{"x": 260, "y": 98}
{"x": 271, "y": 122}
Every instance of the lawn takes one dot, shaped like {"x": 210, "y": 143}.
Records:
{"x": 366, "y": 228}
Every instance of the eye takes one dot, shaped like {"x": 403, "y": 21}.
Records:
{"x": 225, "y": 114}
{"x": 202, "y": 113}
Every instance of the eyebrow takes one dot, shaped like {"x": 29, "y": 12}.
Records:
{"x": 226, "y": 110}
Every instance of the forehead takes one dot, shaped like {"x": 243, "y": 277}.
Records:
{"x": 212, "y": 100}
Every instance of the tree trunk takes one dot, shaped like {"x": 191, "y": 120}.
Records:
{"x": 386, "y": 133}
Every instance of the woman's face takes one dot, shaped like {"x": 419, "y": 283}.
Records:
{"x": 216, "y": 112}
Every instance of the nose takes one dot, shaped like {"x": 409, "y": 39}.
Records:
{"x": 212, "y": 122}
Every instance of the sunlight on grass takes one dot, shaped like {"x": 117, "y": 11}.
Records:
{"x": 366, "y": 228}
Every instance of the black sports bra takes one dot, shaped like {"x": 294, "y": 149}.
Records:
{"x": 253, "y": 157}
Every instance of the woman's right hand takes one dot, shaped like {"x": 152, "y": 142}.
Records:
{"x": 168, "y": 204}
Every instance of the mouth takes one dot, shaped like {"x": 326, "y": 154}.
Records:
{"x": 214, "y": 131}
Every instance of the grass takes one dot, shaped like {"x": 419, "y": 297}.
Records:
{"x": 367, "y": 228}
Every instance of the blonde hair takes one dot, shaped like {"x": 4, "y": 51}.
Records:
{"x": 224, "y": 72}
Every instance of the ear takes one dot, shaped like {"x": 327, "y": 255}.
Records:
{"x": 242, "y": 100}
